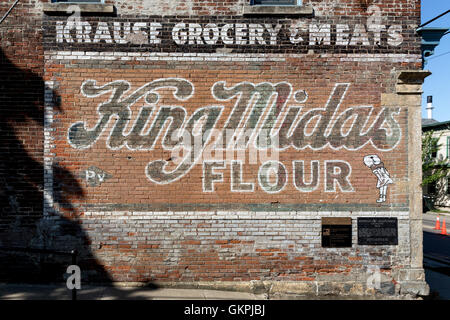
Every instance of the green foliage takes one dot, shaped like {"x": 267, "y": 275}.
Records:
{"x": 433, "y": 168}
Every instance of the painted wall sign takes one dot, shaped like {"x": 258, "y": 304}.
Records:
{"x": 188, "y": 33}
{"x": 232, "y": 111}
{"x": 95, "y": 176}
{"x": 383, "y": 176}
{"x": 260, "y": 121}
{"x": 242, "y": 34}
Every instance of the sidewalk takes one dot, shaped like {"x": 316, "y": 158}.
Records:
{"x": 60, "y": 292}
{"x": 445, "y": 212}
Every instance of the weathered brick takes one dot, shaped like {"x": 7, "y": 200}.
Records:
{"x": 68, "y": 186}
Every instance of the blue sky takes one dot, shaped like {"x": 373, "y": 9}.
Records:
{"x": 438, "y": 84}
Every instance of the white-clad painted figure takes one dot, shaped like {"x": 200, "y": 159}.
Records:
{"x": 378, "y": 169}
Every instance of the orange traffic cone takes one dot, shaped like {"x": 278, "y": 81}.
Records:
{"x": 438, "y": 226}
{"x": 444, "y": 228}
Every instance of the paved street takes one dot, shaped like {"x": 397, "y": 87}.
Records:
{"x": 429, "y": 221}
{"x": 436, "y": 248}
{"x": 433, "y": 242}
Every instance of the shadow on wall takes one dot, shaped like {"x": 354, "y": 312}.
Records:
{"x": 21, "y": 189}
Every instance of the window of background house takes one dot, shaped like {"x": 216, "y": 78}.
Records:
{"x": 275, "y": 2}
{"x": 448, "y": 147}
{"x": 434, "y": 147}
{"x": 448, "y": 185}
{"x": 432, "y": 188}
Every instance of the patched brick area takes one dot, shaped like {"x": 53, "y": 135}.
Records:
{"x": 224, "y": 247}
{"x": 194, "y": 144}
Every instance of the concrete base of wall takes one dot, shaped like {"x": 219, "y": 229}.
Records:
{"x": 306, "y": 289}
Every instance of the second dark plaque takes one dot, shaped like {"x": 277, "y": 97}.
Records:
{"x": 377, "y": 231}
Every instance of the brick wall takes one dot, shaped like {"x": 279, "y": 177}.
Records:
{"x": 21, "y": 101}
{"x": 143, "y": 204}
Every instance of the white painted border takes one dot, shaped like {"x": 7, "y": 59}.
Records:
{"x": 165, "y": 56}
{"x": 48, "y": 203}
{"x": 234, "y": 57}
{"x": 230, "y": 215}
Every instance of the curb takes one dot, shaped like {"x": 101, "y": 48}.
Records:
{"x": 447, "y": 214}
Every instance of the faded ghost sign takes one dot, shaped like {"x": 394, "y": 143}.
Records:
{"x": 261, "y": 122}
{"x": 244, "y": 34}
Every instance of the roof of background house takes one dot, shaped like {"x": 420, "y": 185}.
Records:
{"x": 431, "y": 124}
{"x": 426, "y": 121}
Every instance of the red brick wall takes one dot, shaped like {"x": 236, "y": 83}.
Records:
{"x": 21, "y": 127}
{"x": 132, "y": 224}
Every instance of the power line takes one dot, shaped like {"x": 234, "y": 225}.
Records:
{"x": 7, "y": 13}
{"x": 430, "y": 21}
{"x": 443, "y": 54}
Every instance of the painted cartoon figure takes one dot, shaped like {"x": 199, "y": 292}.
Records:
{"x": 378, "y": 169}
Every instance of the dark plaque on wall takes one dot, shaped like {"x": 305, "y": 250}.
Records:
{"x": 377, "y": 231}
{"x": 336, "y": 232}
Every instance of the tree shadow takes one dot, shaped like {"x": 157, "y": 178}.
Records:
{"x": 22, "y": 222}
{"x": 87, "y": 292}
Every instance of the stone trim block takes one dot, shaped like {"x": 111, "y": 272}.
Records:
{"x": 84, "y": 7}
{"x": 278, "y": 10}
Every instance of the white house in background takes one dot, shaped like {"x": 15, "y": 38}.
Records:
{"x": 439, "y": 191}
